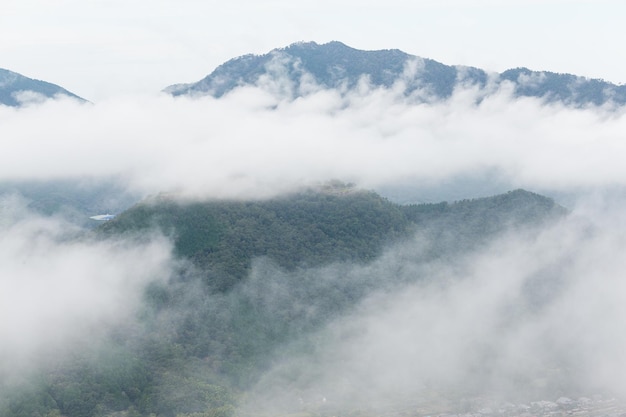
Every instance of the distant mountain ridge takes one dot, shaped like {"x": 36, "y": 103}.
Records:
{"x": 13, "y": 84}
{"x": 336, "y": 65}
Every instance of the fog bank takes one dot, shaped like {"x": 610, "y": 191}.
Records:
{"x": 254, "y": 143}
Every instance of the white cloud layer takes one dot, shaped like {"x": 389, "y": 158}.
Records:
{"x": 250, "y": 142}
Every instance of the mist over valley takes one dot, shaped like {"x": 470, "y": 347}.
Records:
{"x": 316, "y": 231}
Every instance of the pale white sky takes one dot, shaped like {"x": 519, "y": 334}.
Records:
{"x": 104, "y": 48}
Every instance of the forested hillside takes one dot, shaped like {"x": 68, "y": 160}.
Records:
{"x": 338, "y": 66}
{"x": 301, "y": 230}
{"x": 253, "y": 278}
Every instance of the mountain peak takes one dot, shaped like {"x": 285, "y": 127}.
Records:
{"x": 15, "y": 89}
{"x": 331, "y": 65}
{"x": 338, "y": 66}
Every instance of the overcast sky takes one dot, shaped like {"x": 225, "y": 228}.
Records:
{"x": 103, "y": 48}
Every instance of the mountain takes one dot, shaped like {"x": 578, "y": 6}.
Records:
{"x": 332, "y": 65}
{"x": 306, "y": 229}
{"x": 306, "y": 65}
{"x": 257, "y": 280}
{"x": 14, "y": 89}
{"x": 317, "y": 227}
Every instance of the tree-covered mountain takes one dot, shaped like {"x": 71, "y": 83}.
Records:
{"x": 254, "y": 281}
{"x": 317, "y": 227}
{"x": 16, "y": 89}
{"x": 301, "y": 230}
{"x": 302, "y": 67}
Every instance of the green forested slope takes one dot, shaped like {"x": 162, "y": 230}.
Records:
{"x": 261, "y": 275}
{"x": 300, "y": 230}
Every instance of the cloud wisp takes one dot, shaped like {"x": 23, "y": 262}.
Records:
{"x": 528, "y": 317}
{"x": 60, "y": 293}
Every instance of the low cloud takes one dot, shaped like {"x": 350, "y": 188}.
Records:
{"x": 253, "y": 143}
{"x": 59, "y": 292}
{"x": 529, "y": 317}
